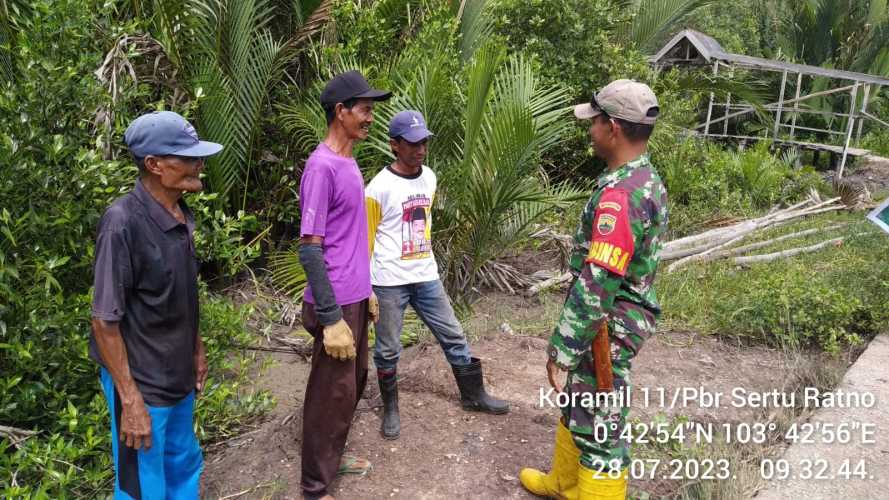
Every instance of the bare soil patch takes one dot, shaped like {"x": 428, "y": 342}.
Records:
{"x": 872, "y": 171}
{"x": 444, "y": 452}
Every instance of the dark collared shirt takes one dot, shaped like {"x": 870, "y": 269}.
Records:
{"x": 146, "y": 279}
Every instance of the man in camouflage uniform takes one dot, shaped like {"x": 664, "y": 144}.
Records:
{"x": 614, "y": 261}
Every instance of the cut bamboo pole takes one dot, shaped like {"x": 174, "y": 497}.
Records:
{"x": 695, "y": 244}
{"x": 786, "y": 253}
{"x": 703, "y": 255}
{"x": 780, "y": 105}
{"x": 799, "y": 84}
{"x": 716, "y": 253}
{"x": 548, "y": 283}
{"x": 761, "y": 244}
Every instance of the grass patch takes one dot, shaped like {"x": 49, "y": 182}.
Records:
{"x": 492, "y": 312}
{"x": 831, "y": 299}
{"x": 742, "y": 455}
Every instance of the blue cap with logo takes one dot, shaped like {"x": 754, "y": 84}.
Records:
{"x": 409, "y": 125}
{"x": 164, "y": 133}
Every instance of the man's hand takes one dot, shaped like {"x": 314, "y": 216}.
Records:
{"x": 555, "y": 375}
{"x": 200, "y": 365}
{"x": 135, "y": 424}
{"x": 338, "y": 341}
{"x": 373, "y": 307}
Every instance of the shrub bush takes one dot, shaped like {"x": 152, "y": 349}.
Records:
{"x": 52, "y": 386}
{"x": 574, "y": 46}
{"x": 830, "y": 299}
{"x": 705, "y": 181}
{"x": 573, "y": 41}
{"x": 877, "y": 141}
{"x": 55, "y": 185}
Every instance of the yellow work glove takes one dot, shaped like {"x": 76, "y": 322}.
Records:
{"x": 373, "y": 307}
{"x": 338, "y": 341}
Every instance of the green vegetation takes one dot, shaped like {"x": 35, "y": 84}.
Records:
{"x": 56, "y": 178}
{"x": 831, "y": 299}
{"x": 70, "y": 457}
{"x": 706, "y": 182}
{"x": 877, "y": 142}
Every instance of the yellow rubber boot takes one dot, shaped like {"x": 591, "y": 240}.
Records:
{"x": 594, "y": 485}
{"x": 561, "y": 482}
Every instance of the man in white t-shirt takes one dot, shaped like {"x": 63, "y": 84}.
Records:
{"x": 403, "y": 271}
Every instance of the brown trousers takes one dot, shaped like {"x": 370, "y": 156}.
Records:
{"x": 332, "y": 393}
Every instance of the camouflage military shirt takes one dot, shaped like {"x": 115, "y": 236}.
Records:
{"x": 614, "y": 261}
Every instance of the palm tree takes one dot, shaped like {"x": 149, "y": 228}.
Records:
{"x": 653, "y": 21}
{"x": 226, "y": 54}
{"x": 235, "y": 62}
{"x": 494, "y": 189}
{"x": 490, "y": 132}
{"x": 851, "y": 35}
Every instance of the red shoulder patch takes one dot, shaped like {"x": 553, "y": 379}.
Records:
{"x": 611, "y": 246}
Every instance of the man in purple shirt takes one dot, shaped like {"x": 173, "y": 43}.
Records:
{"x": 338, "y": 300}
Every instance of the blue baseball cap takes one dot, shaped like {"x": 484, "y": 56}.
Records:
{"x": 164, "y": 133}
{"x": 409, "y": 125}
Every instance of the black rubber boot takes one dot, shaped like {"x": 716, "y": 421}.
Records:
{"x": 472, "y": 389}
{"x": 391, "y": 425}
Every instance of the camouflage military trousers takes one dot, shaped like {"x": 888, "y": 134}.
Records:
{"x": 597, "y": 421}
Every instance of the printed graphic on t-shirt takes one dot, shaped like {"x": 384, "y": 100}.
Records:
{"x": 416, "y": 228}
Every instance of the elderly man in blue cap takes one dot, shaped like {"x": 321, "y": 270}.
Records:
{"x": 145, "y": 313}
{"x": 404, "y": 271}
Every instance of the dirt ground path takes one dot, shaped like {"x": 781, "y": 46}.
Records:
{"x": 444, "y": 452}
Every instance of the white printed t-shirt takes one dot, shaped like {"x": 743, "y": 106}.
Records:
{"x": 399, "y": 221}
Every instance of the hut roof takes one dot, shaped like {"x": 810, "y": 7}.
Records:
{"x": 694, "y": 47}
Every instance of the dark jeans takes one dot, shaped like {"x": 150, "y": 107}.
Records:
{"x": 431, "y": 303}
{"x": 332, "y": 393}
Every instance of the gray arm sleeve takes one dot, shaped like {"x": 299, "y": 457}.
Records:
{"x": 312, "y": 259}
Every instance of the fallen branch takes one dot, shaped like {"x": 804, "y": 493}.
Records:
{"x": 15, "y": 435}
{"x": 769, "y": 257}
{"x": 719, "y": 233}
{"x": 760, "y": 244}
{"x": 548, "y": 283}
{"x": 718, "y": 238}
{"x": 715, "y": 253}
{"x": 706, "y": 255}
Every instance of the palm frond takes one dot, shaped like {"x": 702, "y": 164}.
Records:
{"x": 877, "y": 12}
{"x": 500, "y": 191}
{"x": 476, "y": 26}
{"x": 313, "y": 24}
{"x": 288, "y": 274}
{"x": 238, "y": 61}
{"x": 655, "y": 19}
{"x": 481, "y": 78}
{"x": 304, "y": 120}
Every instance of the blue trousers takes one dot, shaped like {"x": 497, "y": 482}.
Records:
{"x": 431, "y": 303}
{"x": 171, "y": 469}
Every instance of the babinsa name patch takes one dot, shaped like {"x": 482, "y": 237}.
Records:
{"x": 611, "y": 245}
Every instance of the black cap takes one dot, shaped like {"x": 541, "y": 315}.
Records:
{"x": 350, "y": 85}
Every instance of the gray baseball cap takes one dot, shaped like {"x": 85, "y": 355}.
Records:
{"x": 625, "y": 99}
{"x": 164, "y": 133}
{"x": 409, "y": 125}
